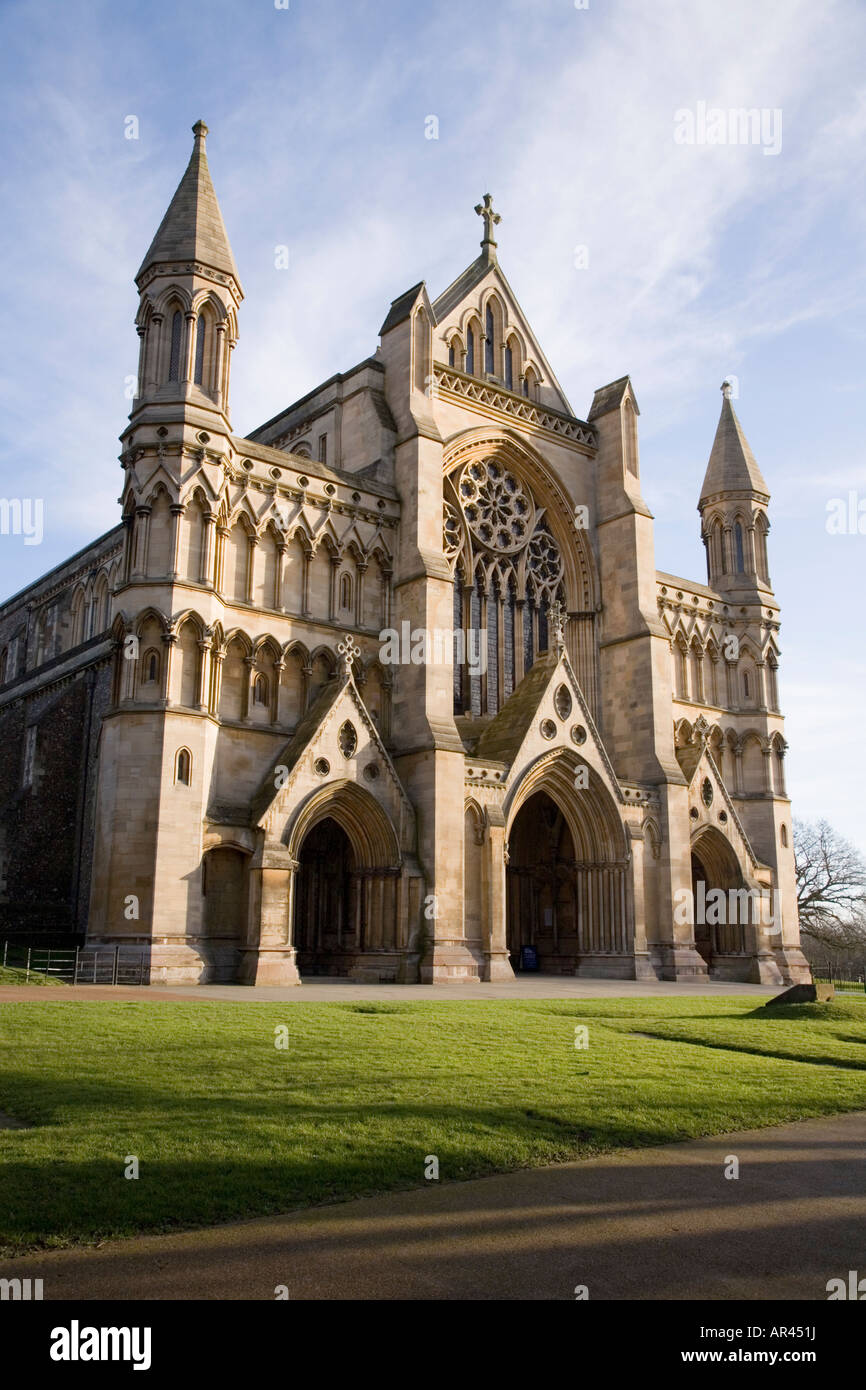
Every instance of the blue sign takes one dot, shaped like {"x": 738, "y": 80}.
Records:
{"x": 528, "y": 958}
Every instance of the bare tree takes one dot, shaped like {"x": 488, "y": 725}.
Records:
{"x": 831, "y": 886}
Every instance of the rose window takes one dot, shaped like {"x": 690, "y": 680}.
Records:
{"x": 544, "y": 560}
{"x": 452, "y": 539}
{"x": 496, "y": 506}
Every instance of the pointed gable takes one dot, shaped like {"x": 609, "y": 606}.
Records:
{"x": 192, "y": 228}
{"x": 292, "y": 775}
{"x": 466, "y": 292}
{"x": 512, "y": 737}
{"x": 698, "y": 765}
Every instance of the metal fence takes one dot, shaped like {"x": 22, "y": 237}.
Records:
{"x": 858, "y": 984}
{"x": 81, "y": 965}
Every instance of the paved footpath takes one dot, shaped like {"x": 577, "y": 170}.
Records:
{"x": 320, "y": 990}
{"x": 659, "y": 1223}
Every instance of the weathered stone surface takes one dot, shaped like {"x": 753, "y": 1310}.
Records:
{"x": 804, "y": 994}
{"x": 193, "y": 760}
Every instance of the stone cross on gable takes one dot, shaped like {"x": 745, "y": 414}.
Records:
{"x": 556, "y": 625}
{"x": 349, "y": 652}
{"x": 485, "y": 210}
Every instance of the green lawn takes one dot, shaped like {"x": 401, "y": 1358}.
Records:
{"x": 226, "y": 1125}
{"x": 10, "y": 975}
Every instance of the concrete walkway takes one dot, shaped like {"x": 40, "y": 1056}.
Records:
{"x": 317, "y": 989}
{"x": 660, "y": 1223}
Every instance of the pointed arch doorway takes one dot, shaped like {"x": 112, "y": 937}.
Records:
{"x": 566, "y": 881}
{"x": 324, "y": 917}
{"x": 350, "y": 910}
{"x": 721, "y": 916}
{"x": 541, "y": 903}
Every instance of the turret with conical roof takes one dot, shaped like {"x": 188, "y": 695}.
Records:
{"x": 190, "y": 293}
{"x": 192, "y": 228}
{"x": 733, "y": 508}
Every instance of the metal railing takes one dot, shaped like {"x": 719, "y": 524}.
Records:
{"x": 80, "y": 965}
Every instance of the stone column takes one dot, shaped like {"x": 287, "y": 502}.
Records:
{"x": 250, "y": 663}
{"x": 359, "y": 593}
{"x": 279, "y": 583}
{"x": 220, "y": 362}
{"x": 203, "y": 679}
{"x": 169, "y": 640}
{"x": 178, "y": 511}
{"x": 142, "y": 532}
{"x": 253, "y": 542}
{"x": 279, "y": 667}
{"x": 497, "y": 965}
{"x": 389, "y": 910}
{"x": 767, "y": 767}
{"x": 305, "y": 587}
{"x": 206, "y": 570}
{"x": 270, "y": 957}
{"x": 219, "y": 566}
{"x": 188, "y": 357}
{"x": 332, "y": 587}
{"x": 217, "y": 659}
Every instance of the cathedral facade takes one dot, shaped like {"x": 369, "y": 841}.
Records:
{"x": 392, "y": 688}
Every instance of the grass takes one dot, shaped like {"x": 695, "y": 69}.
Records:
{"x": 226, "y": 1125}
{"x": 10, "y": 975}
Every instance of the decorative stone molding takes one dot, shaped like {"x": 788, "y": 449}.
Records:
{"x": 542, "y": 417}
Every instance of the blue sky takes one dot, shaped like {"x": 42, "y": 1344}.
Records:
{"x": 703, "y": 260}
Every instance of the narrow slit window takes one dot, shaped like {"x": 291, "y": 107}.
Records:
{"x": 738, "y": 547}
{"x": 199, "y": 350}
{"x": 174, "y": 361}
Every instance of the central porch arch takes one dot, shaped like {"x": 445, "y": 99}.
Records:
{"x": 715, "y": 866}
{"x": 348, "y": 907}
{"x": 567, "y": 891}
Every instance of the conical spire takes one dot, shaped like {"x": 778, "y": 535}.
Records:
{"x": 193, "y": 228}
{"x": 732, "y": 468}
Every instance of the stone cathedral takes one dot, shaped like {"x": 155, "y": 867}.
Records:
{"x": 391, "y": 688}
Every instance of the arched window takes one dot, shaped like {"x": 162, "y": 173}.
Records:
{"x": 183, "y": 767}
{"x": 738, "y": 548}
{"x": 530, "y": 382}
{"x": 174, "y": 360}
{"x": 509, "y": 367}
{"x": 345, "y": 591}
{"x": 201, "y": 329}
{"x": 451, "y": 354}
{"x": 489, "y": 353}
{"x": 470, "y": 351}
{"x": 783, "y": 836}
{"x": 260, "y": 689}
{"x": 747, "y": 692}
{"x": 151, "y": 666}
